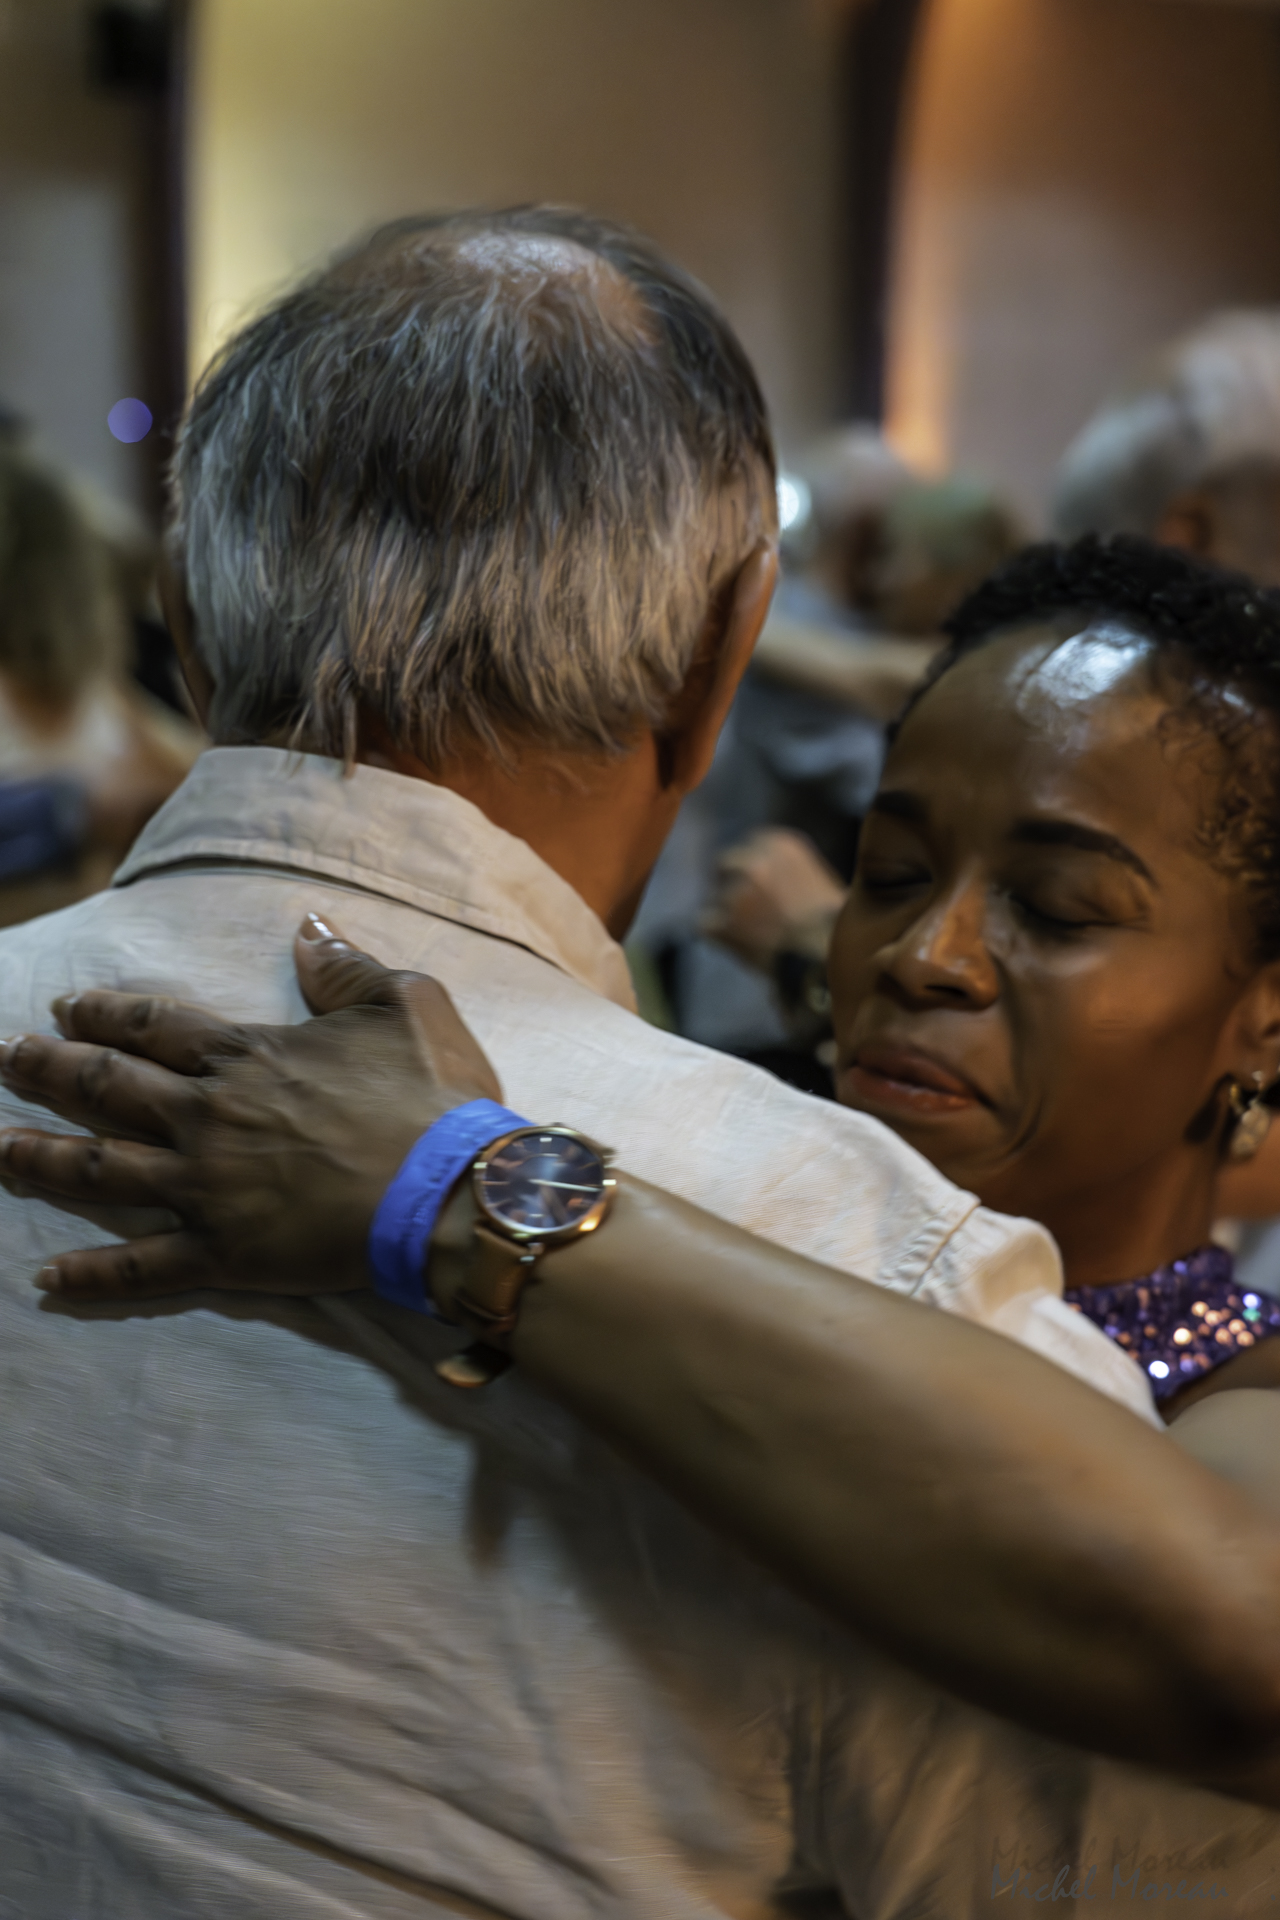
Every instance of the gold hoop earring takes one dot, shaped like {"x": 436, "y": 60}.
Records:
{"x": 1253, "y": 1120}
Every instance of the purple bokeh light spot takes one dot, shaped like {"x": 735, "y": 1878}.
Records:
{"x": 130, "y": 420}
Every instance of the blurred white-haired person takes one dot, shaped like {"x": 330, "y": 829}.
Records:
{"x": 1188, "y": 451}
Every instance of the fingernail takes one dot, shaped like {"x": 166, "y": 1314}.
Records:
{"x": 314, "y": 928}
{"x": 48, "y": 1280}
{"x": 63, "y": 1007}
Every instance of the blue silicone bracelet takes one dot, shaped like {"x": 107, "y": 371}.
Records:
{"x": 409, "y": 1208}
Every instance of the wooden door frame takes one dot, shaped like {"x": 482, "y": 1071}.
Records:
{"x": 881, "y": 37}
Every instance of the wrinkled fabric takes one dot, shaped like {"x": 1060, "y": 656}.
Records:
{"x": 289, "y": 1630}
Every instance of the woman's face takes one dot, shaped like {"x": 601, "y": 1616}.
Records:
{"x": 1041, "y": 978}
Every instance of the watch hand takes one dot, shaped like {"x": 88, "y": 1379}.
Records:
{"x": 568, "y": 1185}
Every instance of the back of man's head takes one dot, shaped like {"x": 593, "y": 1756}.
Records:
{"x": 482, "y": 476}
{"x": 1190, "y": 450}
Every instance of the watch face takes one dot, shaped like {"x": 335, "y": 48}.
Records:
{"x": 542, "y": 1184}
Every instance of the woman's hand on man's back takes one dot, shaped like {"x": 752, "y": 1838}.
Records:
{"x": 271, "y": 1145}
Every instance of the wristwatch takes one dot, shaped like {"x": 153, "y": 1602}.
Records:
{"x": 535, "y": 1188}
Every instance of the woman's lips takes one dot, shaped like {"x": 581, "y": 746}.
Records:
{"x": 904, "y": 1081}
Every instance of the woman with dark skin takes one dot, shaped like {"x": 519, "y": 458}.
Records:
{"x": 1058, "y": 976}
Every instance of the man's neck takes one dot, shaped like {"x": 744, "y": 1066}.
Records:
{"x": 597, "y": 821}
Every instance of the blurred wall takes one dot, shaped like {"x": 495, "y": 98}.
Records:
{"x": 72, "y": 185}
{"x": 1080, "y": 178}
{"x": 709, "y": 123}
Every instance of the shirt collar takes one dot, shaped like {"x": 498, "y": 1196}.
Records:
{"x": 384, "y": 833}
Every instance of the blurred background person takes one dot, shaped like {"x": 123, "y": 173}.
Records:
{"x": 927, "y": 550}
{"x": 830, "y": 503}
{"x": 804, "y": 744}
{"x": 1188, "y": 452}
{"x": 86, "y": 755}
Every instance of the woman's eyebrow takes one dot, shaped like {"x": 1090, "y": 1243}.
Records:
{"x": 1071, "y": 833}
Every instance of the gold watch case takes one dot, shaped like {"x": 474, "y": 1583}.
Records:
{"x": 543, "y": 1185}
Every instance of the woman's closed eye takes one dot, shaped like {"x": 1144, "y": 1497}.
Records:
{"x": 1061, "y": 906}
{"x": 893, "y": 879}
{"x": 1059, "y": 925}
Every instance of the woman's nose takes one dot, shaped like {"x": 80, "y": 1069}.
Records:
{"x": 943, "y": 958}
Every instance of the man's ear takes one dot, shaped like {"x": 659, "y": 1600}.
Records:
{"x": 701, "y": 707}
{"x": 1190, "y": 521}
{"x": 176, "y": 606}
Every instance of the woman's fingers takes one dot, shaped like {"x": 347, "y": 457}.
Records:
{"x": 104, "y": 1173}
{"x": 133, "y": 1270}
{"x": 170, "y": 1032}
{"x": 163, "y": 1263}
{"x": 335, "y": 976}
{"x": 101, "y": 1088}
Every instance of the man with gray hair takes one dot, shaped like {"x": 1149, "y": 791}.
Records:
{"x": 1189, "y": 452}
{"x": 477, "y": 533}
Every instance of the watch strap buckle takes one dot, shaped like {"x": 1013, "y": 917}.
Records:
{"x": 476, "y": 1366}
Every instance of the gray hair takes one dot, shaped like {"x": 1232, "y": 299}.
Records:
{"x": 1207, "y": 406}
{"x": 482, "y": 476}
{"x": 849, "y": 471}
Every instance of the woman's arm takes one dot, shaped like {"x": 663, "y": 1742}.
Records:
{"x": 972, "y": 1508}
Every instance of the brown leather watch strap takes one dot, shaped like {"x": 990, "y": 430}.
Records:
{"x": 498, "y": 1272}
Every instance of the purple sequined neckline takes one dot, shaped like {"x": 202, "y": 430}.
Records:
{"x": 1182, "y": 1320}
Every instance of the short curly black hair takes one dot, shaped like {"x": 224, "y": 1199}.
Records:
{"x": 1217, "y": 635}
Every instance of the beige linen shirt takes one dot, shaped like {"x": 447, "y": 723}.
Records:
{"x": 290, "y": 1630}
